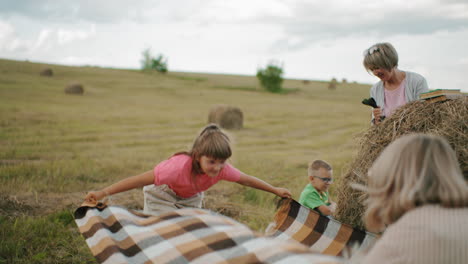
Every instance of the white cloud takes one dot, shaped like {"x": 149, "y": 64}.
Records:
{"x": 316, "y": 21}
{"x": 9, "y": 41}
{"x": 463, "y": 61}
{"x": 43, "y": 39}
{"x": 51, "y": 38}
{"x": 65, "y": 36}
{"x": 74, "y": 60}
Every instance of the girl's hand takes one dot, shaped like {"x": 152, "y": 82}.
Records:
{"x": 95, "y": 196}
{"x": 282, "y": 192}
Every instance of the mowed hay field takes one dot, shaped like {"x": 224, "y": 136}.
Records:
{"x": 55, "y": 146}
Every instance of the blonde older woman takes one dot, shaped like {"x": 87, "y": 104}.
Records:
{"x": 417, "y": 193}
{"x": 396, "y": 87}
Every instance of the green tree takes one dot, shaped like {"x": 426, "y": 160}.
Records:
{"x": 146, "y": 61}
{"x": 271, "y": 77}
{"x": 151, "y": 63}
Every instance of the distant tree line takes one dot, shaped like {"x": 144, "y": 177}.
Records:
{"x": 270, "y": 77}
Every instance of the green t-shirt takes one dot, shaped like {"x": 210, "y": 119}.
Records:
{"x": 311, "y": 198}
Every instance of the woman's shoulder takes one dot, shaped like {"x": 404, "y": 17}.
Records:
{"x": 437, "y": 208}
{"x": 410, "y": 76}
{"x": 422, "y": 234}
{"x": 434, "y": 214}
{"x": 376, "y": 86}
{"x": 426, "y": 223}
{"x": 432, "y": 223}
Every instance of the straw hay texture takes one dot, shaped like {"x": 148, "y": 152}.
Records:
{"x": 74, "y": 88}
{"x": 448, "y": 119}
{"x": 228, "y": 117}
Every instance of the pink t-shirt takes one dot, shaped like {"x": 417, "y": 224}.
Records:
{"x": 394, "y": 99}
{"x": 176, "y": 173}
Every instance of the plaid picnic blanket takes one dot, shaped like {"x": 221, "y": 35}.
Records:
{"x": 117, "y": 235}
{"x": 294, "y": 221}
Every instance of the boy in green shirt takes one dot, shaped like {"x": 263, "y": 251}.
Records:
{"x": 315, "y": 195}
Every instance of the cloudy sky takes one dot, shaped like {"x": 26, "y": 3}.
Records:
{"x": 315, "y": 40}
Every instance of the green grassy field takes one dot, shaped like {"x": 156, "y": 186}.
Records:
{"x": 54, "y": 146}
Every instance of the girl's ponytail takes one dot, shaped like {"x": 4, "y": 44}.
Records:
{"x": 210, "y": 127}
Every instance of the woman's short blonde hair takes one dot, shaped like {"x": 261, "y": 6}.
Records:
{"x": 380, "y": 56}
{"x": 413, "y": 171}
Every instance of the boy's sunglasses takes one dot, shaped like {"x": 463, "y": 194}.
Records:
{"x": 326, "y": 180}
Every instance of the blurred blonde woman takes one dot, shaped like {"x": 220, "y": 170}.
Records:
{"x": 417, "y": 193}
{"x": 396, "y": 87}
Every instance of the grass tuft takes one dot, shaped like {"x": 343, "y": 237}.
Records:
{"x": 47, "y": 239}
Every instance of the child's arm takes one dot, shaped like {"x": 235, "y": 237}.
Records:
{"x": 313, "y": 200}
{"x": 126, "y": 184}
{"x": 256, "y": 183}
{"x": 325, "y": 210}
{"x": 332, "y": 205}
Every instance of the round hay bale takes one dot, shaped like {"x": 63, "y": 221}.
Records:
{"x": 74, "y": 88}
{"x": 447, "y": 118}
{"x": 228, "y": 117}
{"x": 47, "y": 72}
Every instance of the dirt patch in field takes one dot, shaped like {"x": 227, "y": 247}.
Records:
{"x": 220, "y": 202}
{"x": 10, "y": 206}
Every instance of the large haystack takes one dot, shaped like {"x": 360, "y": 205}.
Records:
{"x": 229, "y": 117}
{"x": 448, "y": 119}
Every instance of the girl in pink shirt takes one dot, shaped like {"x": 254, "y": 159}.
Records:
{"x": 180, "y": 180}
